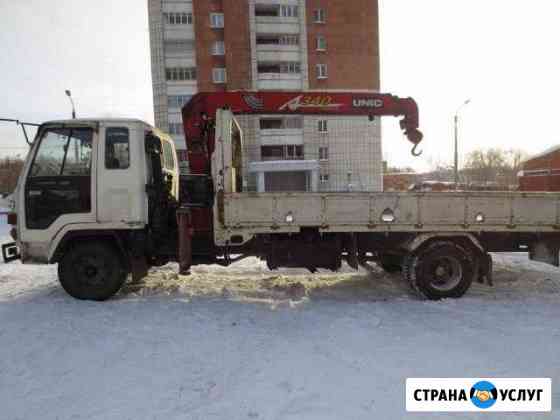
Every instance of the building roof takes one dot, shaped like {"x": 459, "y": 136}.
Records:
{"x": 548, "y": 151}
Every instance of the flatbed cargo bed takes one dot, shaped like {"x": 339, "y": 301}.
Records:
{"x": 393, "y": 212}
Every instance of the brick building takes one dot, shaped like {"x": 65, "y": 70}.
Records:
{"x": 309, "y": 45}
{"x": 541, "y": 172}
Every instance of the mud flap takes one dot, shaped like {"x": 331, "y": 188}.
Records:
{"x": 184, "y": 222}
{"x": 485, "y": 269}
{"x": 139, "y": 267}
{"x": 545, "y": 252}
{"x": 350, "y": 243}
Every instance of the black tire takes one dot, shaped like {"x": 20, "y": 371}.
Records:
{"x": 92, "y": 271}
{"x": 390, "y": 263}
{"x": 441, "y": 270}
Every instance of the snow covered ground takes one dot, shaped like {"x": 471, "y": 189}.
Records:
{"x": 246, "y": 343}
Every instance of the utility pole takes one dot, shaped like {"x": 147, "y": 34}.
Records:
{"x": 456, "y": 121}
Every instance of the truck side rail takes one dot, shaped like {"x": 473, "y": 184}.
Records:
{"x": 397, "y": 212}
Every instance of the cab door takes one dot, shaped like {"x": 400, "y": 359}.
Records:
{"x": 59, "y": 187}
{"x": 121, "y": 175}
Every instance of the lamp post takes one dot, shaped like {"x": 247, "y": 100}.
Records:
{"x": 456, "y": 120}
{"x": 69, "y": 94}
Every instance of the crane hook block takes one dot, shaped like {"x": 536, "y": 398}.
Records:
{"x": 415, "y": 136}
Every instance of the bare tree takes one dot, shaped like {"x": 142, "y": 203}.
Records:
{"x": 10, "y": 169}
{"x": 399, "y": 170}
{"x": 497, "y": 166}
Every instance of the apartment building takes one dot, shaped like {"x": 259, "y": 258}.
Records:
{"x": 307, "y": 45}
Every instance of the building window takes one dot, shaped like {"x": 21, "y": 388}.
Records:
{"x": 287, "y": 67}
{"x": 267, "y": 39}
{"x": 285, "y": 152}
{"x": 320, "y": 16}
{"x": 289, "y": 40}
{"x": 291, "y": 123}
{"x": 294, "y": 152}
{"x": 217, "y": 20}
{"x": 323, "y": 153}
{"x": 117, "y": 153}
{"x": 180, "y": 74}
{"x": 271, "y": 124}
{"x": 176, "y": 128}
{"x": 324, "y": 178}
{"x": 218, "y": 48}
{"x": 322, "y": 71}
{"x": 267, "y": 10}
{"x": 294, "y": 123}
{"x": 289, "y": 11}
{"x": 178, "y": 101}
{"x": 272, "y": 153}
{"x": 178, "y": 18}
{"x": 219, "y": 75}
{"x": 321, "y": 43}
{"x": 290, "y": 68}
{"x": 323, "y": 126}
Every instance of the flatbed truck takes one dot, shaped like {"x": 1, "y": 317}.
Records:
{"x": 104, "y": 199}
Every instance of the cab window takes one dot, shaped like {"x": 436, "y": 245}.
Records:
{"x": 63, "y": 152}
{"x": 59, "y": 181}
{"x": 117, "y": 148}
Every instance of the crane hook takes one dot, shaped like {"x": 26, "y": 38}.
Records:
{"x": 414, "y": 152}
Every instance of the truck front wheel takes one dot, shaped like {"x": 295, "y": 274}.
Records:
{"x": 92, "y": 271}
{"x": 443, "y": 269}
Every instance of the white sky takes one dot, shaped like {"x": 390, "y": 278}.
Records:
{"x": 502, "y": 54}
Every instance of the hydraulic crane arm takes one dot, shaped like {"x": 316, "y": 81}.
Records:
{"x": 199, "y": 113}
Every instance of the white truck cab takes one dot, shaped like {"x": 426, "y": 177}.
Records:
{"x": 93, "y": 183}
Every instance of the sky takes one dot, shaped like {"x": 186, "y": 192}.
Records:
{"x": 501, "y": 54}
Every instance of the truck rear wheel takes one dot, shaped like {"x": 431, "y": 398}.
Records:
{"x": 92, "y": 271}
{"x": 442, "y": 269}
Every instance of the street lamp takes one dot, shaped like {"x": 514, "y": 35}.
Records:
{"x": 69, "y": 94}
{"x": 456, "y": 119}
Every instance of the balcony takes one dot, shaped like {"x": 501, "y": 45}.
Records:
{"x": 278, "y": 52}
{"x": 278, "y": 48}
{"x": 281, "y": 81}
{"x": 279, "y": 137}
{"x": 278, "y": 25}
{"x": 180, "y": 48}
{"x": 179, "y": 32}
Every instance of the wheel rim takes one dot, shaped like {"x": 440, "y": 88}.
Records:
{"x": 90, "y": 271}
{"x": 445, "y": 273}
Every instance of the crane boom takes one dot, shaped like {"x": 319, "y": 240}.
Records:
{"x": 198, "y": 114}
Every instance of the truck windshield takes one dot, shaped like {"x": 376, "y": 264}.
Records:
{"x": 63, "y": 152}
